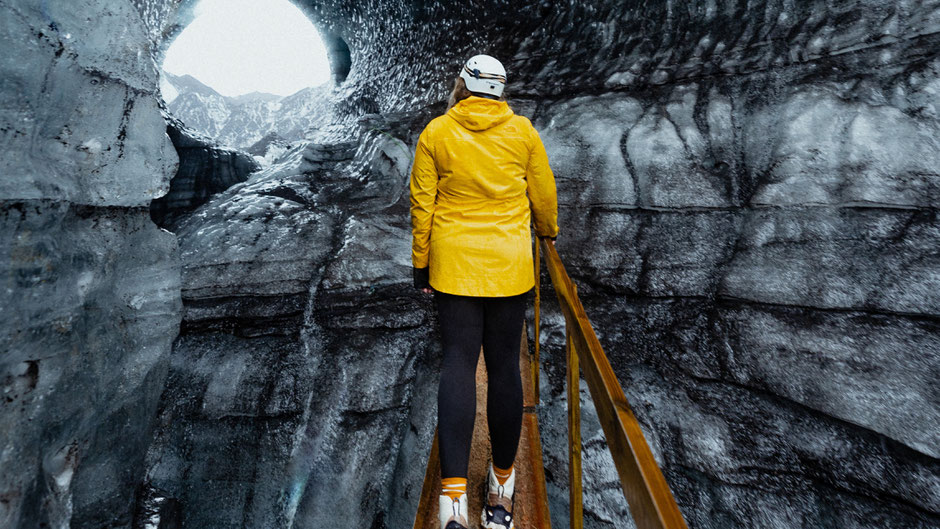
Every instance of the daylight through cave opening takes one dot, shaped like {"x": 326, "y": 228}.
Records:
{"x": 252, "y": 78}
{"x": 243, "y": 70}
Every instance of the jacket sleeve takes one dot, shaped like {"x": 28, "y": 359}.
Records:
{"x": 541, "y": 184}
{"x": 423, "y": 196}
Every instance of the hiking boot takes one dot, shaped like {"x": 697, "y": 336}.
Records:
{"x": 453, "y": 514}
{"x": 500, "y": 501}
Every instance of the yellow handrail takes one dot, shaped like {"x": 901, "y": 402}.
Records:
{"x": 651, "y": 502}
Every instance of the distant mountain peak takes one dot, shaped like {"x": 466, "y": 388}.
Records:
{"x": 189, "y": 84}
{"x": 256, "y": 96}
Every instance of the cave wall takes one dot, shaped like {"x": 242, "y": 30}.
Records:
{"x": 766, "y": 286}
{"x": 90, "y": 302}
{"x": 204, "y": 170}
{"x": 288, "y": 396}
{"x": 753, "y": 186}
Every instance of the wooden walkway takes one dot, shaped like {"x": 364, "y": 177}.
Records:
{"x": 531, "y": 510}
{"x": 652, "y": 504}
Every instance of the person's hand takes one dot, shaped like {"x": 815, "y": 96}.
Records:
{"x": 420, "y": 276}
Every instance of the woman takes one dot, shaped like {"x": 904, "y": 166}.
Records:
{"x": 476, "y": 170}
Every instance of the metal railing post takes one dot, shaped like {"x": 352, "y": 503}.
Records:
{"x": 575, "y": 495}
{"x": 534, "y": 365}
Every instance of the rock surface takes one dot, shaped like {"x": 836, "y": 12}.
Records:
{"x": 277, "y": 274}
{"x": 90, "y": 301}
{"x": 271, "y": 147}
{"x": 204, "y": 170}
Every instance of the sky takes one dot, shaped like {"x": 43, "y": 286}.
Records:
{"x": 243, "y": 46}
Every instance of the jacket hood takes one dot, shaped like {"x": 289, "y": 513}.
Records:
{"x": 479, "y": 113}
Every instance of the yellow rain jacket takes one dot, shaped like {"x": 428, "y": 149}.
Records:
{"x": 470, "y": 215}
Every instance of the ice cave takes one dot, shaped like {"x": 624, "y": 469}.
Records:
{"x": 218, "y": 329}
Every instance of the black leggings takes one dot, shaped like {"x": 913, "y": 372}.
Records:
{"x": 466, "y": 324}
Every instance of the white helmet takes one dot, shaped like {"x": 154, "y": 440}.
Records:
{"x": 484, "y": 74}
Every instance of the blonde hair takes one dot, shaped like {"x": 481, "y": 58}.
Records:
{"x": 460, "y": 92}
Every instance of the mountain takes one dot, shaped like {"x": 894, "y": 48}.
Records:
{"x": 241, "y": 121}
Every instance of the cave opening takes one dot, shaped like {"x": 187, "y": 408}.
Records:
{"x": 243, "y": 82}
{"x": 244, "y": 70}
